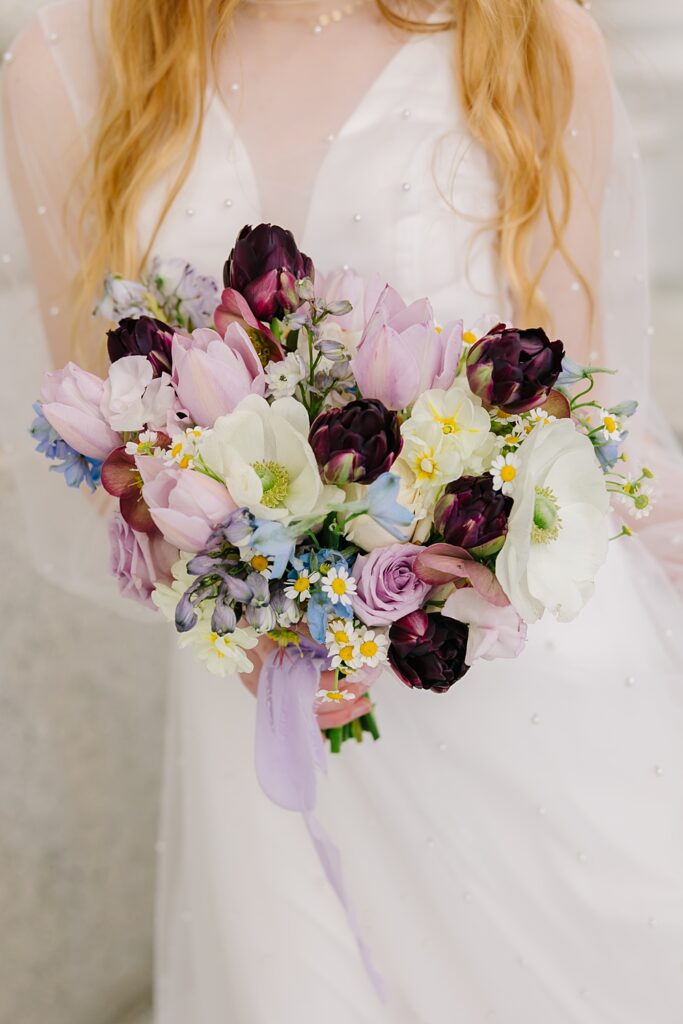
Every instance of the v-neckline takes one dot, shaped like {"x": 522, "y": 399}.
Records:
{"x": 215, "y": 102}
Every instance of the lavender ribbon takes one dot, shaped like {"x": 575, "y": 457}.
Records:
{"x": 289, "y": 748}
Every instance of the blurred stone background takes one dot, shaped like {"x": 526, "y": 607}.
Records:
{"x": 81, "y": 725}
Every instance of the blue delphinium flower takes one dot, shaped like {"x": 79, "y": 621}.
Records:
{"x": 76, "y": 468}
{"x": 276, "y": 542}
{"x": 380, "y": 501}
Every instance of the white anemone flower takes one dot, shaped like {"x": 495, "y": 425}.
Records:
{"x": 262, "y": 454}
{"x": 558, "y": 529}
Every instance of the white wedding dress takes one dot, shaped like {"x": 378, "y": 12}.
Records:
{"x": 514, "y": 848}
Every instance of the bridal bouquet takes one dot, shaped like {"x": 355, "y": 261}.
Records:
{"x": 313, "y": 461}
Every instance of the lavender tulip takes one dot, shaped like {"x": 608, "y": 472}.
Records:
{"x": 213, "y": 374}
{"x": 401, "y": 353}
{"x": 71, "y": 400}
{"x": 185, "y": 505}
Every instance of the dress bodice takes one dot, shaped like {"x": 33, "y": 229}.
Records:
{"x": 401, "y": 191}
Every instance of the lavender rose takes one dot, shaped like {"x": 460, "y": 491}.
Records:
{"x": 138, "y": 560}
{"x": 386, "y": 585}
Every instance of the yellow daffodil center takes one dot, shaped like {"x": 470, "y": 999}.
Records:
{"x": 339, "y": 586}
{"x": 274, "y": 481}
{"x": 368, "y": 648}
{"x": 426, "y": 466}
{"x": 302, "y": 584}
{"x": 259, "y": 563}
{"x": 508, "y": 474}
{"x": 546, "y": 522}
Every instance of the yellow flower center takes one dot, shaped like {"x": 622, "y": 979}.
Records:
{"x": 469, "y": 338}
{"x": 369, "y": 648}
{"x": 341, "y": 637}
{"x": 339, "y": 586}
{"x": 259, "y": 563}
{"x": 426, "y": 466}
{"x": 346, "y": 652}
{"x": 507, "y": 474}
{"x": 274, "y": 481}
{"x": 176, "y": 449}
{"x": 334, "y": 695}
{"x": 302, "y": 584}
{"x": 610, "y": 424}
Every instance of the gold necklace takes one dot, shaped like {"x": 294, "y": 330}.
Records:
{"x": 264, "y": 10}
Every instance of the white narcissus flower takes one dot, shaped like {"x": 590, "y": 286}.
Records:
{"x": 464, "y": 423}
{"x": 262, "y": 453}
{"x": 558, "y": 530}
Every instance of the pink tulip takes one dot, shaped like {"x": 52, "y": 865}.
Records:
{"x": 362, "y": 293}
{"x": 213, "y": 374}
{"x": 185, "y": 505}
{"x": 401, "y": 353}
{"x": 494, "y": 631}
{"x": 71, "y": 403}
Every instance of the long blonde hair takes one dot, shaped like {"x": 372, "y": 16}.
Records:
{"x": 513, "y": 74}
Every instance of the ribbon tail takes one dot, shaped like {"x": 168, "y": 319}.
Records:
{"x": 289, "y": 747}
{"x": 330, "y": 858}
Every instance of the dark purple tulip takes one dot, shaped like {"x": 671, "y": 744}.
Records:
{"x": 357, "y": 443}
{"x": 472, "y": 515}
{"x": 142, "y": 336}
{"x": 264, "y": 267}
{"x": 428, "y": 651}
{"x": 512, "y": 369}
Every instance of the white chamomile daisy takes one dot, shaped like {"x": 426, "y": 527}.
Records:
{"x": 372, "y": 648}
{"x": 643, "y": 501}
{"x": 335, "y": 696}
{"x": 611, "y": 427}
{"x": 339, "y": 586}
{"x": 300, "y": 588}
{"x": 540, "y": 418}
{"x": 504, "y": 472}
{"x": 340, "y": 633}
{"x": 183, "y": 450}
{"x": 144, "y": 445}
{"x": 257, "y": 562}
{"x": 346, "y": 658}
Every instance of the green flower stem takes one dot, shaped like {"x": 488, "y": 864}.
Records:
{"x": 369, "y": 724}
{"x": 335, "y": 738}
{"x": 356, "y": 730}
{"x": 207, "y": 471}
